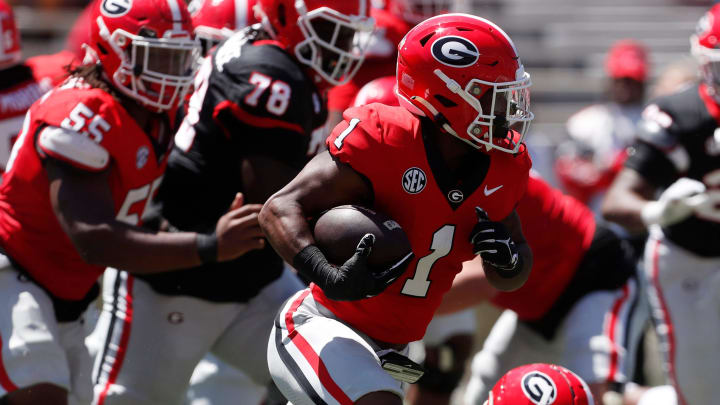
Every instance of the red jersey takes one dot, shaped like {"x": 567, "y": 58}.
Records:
{"x": 412, "y": 185}
{"x": 30, "y": 80}
{"x": 380, "y": 58}
{"x": 559, "y": 230}
{"x": 29, "y": 231}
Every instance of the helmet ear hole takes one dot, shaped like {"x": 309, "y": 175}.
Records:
{"x": 446, "y": 102}
{"x": 102, "y": 49}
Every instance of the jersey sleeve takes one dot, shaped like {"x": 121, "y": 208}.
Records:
{"x": 357, "y": 141}
{"x": 80, "y": 127}
{"x": 73, "y": 148}
{"x": 657, "y": 153}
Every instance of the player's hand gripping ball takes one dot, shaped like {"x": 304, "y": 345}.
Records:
{"x": 367, "y": 263}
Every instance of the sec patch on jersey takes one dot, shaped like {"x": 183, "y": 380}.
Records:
{"x": 338, "y": 230}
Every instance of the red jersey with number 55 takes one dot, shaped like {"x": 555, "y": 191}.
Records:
{"x": 109, "y": 140}
{"x": 436, "y": 209}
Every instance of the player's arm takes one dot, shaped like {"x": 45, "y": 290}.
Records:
{"x": 626, "y": 198}
{"x": 83, "y": 204}
{"x": 656, "y": 160}
{"x": 323, "y": 183}
{"x": 469, "y": 288}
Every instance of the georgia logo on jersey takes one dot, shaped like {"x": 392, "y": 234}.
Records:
{"x": 115, "y": 8}
{"x": 454, "y": 51}
{"x": 455, "y": 196}
{"x": 539, "y": 388}
{"x": 141, "y": 157}
{"x": 414, "y": 180}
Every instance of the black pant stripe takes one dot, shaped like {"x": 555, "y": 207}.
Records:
{"x": 111, "y": 327}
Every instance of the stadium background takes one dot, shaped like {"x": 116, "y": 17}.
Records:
{"x": 562, "y": 43}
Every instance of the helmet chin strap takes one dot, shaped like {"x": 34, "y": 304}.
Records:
{"x": 453, "y": 86}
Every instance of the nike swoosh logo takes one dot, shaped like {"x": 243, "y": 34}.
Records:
{"x": 492, "y": 190}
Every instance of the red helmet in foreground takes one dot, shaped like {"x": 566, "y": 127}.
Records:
{"x": 540, "y": 384}
{"x": 464, "y": 73}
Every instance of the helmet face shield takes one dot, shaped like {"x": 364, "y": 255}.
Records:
{"x": 709, "y": 62}
{"x": 335, "y": 43}
{"x": 504, "y": 110}
{"x": 160, "y": 71}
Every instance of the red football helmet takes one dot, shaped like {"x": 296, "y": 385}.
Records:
{"x": 414, "y": 11}
{"x": 705, "y": 46}
{"x": 215, "y": 20}
{"x": 146, "y": 47}
{"x": 331, "y": 40}
{"x": 381, "y": 90}
{"x": 540, "y": 384}
{"x": 464, "y": 73}
{"x": 9, "y": 37}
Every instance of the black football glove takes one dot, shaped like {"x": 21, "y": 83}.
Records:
{"x": 354, "y": 280}
{"x": 491, "y": 240}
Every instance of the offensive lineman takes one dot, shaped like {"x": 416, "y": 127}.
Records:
{"x": 678, "y": 155}
{"x": 79, "y": 178}
{"x": 454, "y": 146}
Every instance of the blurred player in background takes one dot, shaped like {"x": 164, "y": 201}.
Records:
{"x": 89, "y": 158}
{"x": 540, "y": 384}
{"x": 578, "y": 309}
{"x": 257, "y": 98}
{"x": 451, "y": 155}
{"x": 393, "y": 19}
{"x": 599, "y": 134}
{"x": 217, "y": 20}
{"x": 677, "y": 155}
{"x": 22, "y": 82}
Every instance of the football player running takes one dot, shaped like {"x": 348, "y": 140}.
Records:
{"x": 90, "y": 155}
{"x": 678, "y": 157}
{"x": 257, "y": 98}
{"x": 448, "y": 166}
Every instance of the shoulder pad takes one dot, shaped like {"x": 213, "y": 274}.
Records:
{"x": 73, "y": 148}
{"x": 654, "y": 128}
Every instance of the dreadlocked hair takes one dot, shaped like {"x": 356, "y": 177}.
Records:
{"x": 92, "y": 74}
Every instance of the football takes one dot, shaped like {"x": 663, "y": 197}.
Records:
{"x": 338, "y": 230}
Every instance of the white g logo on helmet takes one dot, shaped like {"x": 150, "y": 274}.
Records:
{"x": 454, "y": 51}
{"x": 539, "y": 388}
{"x": 115, "y": 8}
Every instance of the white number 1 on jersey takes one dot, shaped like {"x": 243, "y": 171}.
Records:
{"x": 441, "y": 245}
